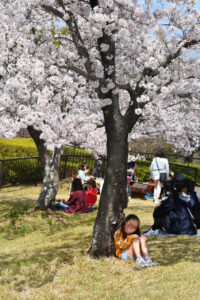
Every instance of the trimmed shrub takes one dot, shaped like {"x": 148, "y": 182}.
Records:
{"x": 143, "y": 171}
{"x": 18, "y": 147}
{"x": 28, "y": 171}
{"x": 21, "y": 171}
{"x": 25, "y": 147}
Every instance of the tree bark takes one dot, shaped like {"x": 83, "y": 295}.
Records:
{"x": 99, "y": 167}
{"x": 114, "y": 197}
{"x": 50, "y": 165}
{"x": 50, "y": 181}
{"x": 40, "y": 144}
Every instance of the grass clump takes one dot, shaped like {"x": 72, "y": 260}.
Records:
{"x": 43, "y": 256}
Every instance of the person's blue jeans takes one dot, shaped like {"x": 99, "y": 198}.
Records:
{"x": 92, "y": 208}
{"x": 128, "y": 189}
{"x": 61, "y": 206}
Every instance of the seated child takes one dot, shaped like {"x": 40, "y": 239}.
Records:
{"x": 91, "y": 194}
{"x": 130, "y": 244}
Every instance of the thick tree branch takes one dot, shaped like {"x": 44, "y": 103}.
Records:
{"x": 52, "y": 10}
{"x": 152, "y": 73}
{"x": 83, "y": 73}
{"x": 73, "y": 30}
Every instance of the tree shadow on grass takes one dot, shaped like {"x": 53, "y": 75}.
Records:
{"x": 9, "y": 205}
{"x": 40, "y": 260}
{"x": 172, "y": 250}
{"x": 142, "y": 208}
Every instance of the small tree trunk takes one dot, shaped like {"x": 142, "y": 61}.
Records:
{"x": 40, "y": 144}
{"x": 50, "y": 166}
{"x": 114, "y": 197}
{"x": 99, "y": 167}
{"x": 50, "y": 181}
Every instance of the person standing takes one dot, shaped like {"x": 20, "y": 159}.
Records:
{"x": 159, "y": 172}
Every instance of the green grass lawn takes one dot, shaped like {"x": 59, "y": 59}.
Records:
{"x": 43, "y": 256}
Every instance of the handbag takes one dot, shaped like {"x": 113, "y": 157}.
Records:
{"x": 163, "y": 176}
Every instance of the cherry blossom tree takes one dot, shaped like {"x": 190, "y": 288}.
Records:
{"x": 37, "y": 95}
{"x": 177, "y": 117}
{"x": 125, "y": 54}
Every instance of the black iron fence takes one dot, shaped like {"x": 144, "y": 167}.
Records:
{"x": 29, "y": 170}
{"x": 21, "y": 171}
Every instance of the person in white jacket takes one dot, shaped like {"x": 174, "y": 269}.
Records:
{"x": 159, "y": 172}
{"x": 83, "y": 174}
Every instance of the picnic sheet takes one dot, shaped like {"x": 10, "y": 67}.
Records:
{"x": 161, "y": 233}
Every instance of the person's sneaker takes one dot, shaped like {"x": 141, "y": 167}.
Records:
{"x": 140, "y": 262}
{"x": 149, "y": 262}
{"x": 156, "y": 201}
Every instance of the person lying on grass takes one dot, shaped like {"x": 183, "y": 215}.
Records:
{"x": 130, "y": 244}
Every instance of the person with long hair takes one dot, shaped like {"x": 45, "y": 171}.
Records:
{"x": 159, "y": 172}
{"x": 77, "y": 202}
{"x": 130, "y": 244}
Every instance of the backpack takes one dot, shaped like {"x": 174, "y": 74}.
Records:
{"x": 195, "y": 210}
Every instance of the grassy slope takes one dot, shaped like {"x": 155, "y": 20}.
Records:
{"x": 43, "y": 256}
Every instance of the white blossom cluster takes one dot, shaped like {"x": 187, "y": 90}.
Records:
{"x": 59, "y": 73}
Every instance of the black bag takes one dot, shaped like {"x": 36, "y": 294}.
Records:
{"x": 195, "y": 210}
{"x": 163, "y": 176}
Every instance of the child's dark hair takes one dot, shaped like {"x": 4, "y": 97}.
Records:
{"x": 82, "y": 166}
{"x": 92, "y": 182}
{"x": 128, "y": 218}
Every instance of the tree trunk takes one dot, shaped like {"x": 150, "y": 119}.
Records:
{"x": 50, "y": 181}
{"x": 114, "y": 197}
{"x": 40, "y": 144}
{"x": 50, "y": 166}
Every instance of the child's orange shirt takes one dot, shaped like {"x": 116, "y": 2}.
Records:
{"x": 121, "y": 244}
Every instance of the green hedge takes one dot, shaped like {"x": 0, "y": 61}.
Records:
{"x": 25, "y": 147}
{"x": 75, "y": 151}
{"x": 18, "y": 147}
{"x": 29, "y": 171}
{"x": 143, "y": 171}
{"x": 21, "y": 171}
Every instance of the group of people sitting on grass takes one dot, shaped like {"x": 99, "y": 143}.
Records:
{"x": 178, "y": 213}
{"x": 81, "y": 200}
{"x": 83, "y": 195}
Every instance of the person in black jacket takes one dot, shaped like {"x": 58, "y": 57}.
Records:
{"x": 180, "y": 212}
